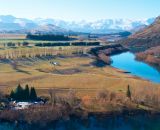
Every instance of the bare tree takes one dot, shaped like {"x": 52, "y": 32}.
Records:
{"x": 72, "y": 99}
{"x": 52, "y": 93}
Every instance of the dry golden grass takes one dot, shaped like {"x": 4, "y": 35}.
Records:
{"x": 88, "y": 81}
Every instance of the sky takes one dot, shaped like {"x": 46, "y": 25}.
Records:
{"x": 77, "y": 10}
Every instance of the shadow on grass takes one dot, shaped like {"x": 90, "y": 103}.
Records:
{"x": 99, "y": 63}
{"x": 22, "y": 71}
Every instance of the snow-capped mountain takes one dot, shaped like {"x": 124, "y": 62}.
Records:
{"x": 100, "y": 26}
{"x": 11, "y": 23}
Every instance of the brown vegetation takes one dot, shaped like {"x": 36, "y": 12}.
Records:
{"x": 148, "y": 96}
{"x": 69, "y": 104}
{"x": 105, "y": 58}
{"x": 151, "y": 56}
{"x": 40, "y": 115}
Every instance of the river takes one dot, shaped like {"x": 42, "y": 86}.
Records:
{"x": 126, "y": 61}
{"x": 137, "y": 122}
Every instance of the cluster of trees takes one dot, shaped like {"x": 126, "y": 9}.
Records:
{"x": 39, "y": 52}
{"x": 68, "y": 44}
{"x": 11, "y": 44}
{"x": 48, "y": 37}
{"x": 108, "y": 49}
{"x": 85, "y": 43}
{"x": 52, "y": 44}
{"x": 24, "y": 94}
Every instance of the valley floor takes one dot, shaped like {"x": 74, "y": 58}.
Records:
{"x": 76, "y": 73}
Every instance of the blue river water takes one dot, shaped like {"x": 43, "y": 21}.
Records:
{"x": 126, "y": 61}
{"x": 137, "y": 122}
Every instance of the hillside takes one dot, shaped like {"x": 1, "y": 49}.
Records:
{"x": 151, "y": 31}
{"x": 147, "y": 43}
{"x": 145, "y": 38}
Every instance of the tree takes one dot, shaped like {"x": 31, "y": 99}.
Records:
{"x": 12, "y": 94}
{"x": 52, "y": 94}
{"x": 112, "y": 96}
{"x": 19, "y": 93}
{"x": 128, "y": 92}
{"x": 72, "y": 99}
{"x": 33, "y": 95}
{"x": 26, "y": 92}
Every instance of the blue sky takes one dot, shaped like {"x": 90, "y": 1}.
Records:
{"x": 77, "y": 10}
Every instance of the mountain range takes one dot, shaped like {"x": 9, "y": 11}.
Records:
{"x": 9, "y": 23}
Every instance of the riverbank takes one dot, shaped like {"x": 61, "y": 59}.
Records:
{"x": 142, "y": 121}
{"x": 103, "y": 53}
{"x": 150, "y": 56}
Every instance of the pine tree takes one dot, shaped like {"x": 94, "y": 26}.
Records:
{"x": 26, "y": 92}
{"x": 128, "y": 92}
{"x": 19, "y": 93}
{"x": 33, "y": 95}
{"x": 12, "y": 94}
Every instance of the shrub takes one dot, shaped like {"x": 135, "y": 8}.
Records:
{"x": 128, "y": 94}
